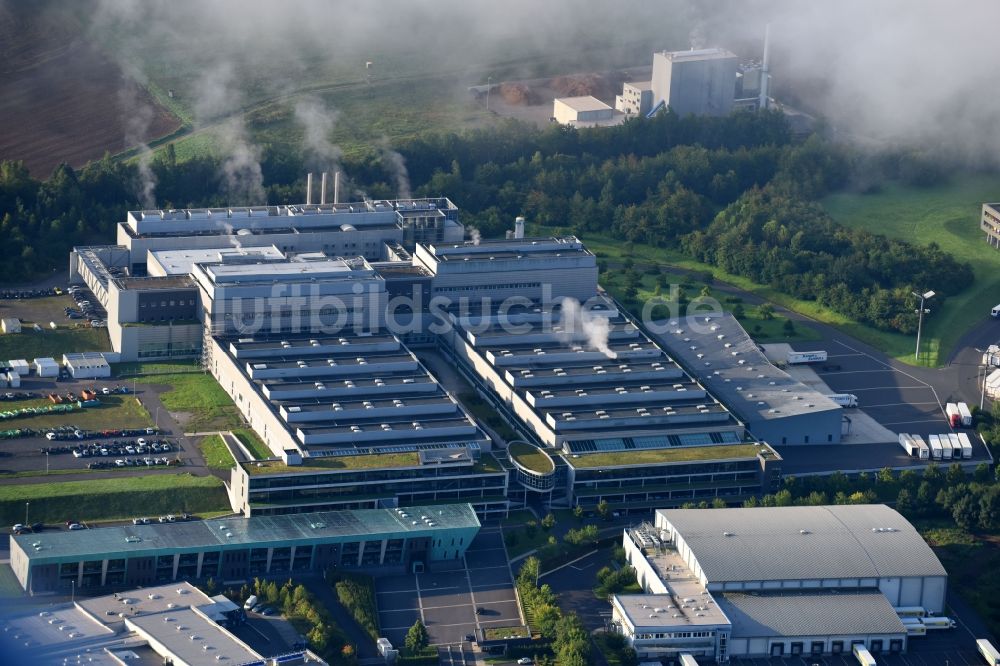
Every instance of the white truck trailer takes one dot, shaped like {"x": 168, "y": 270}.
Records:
{"x": 938, "y": 622}
{"x": 863, "y": 656}
{"x": 914, "y": 446}
{"x": 795, "y": 357}
{"x": 947, "y": 452}
{"x": 966, "y": 414}
{"x": 844, "y": 399}
{"x": 935, "y": 443}
{"x": 954, "y": 416}
{"x": 990, "y": 653}
{"x": 966, "y": 445}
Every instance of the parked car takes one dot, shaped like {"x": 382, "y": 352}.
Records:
{"x": 76, "y": 526}
{"x": 37, "y": 527}
{"x": 525, "y": 660}
{"x": 267, "y": 611}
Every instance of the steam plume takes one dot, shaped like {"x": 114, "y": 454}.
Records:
{"x": 396, "y": 165}
{"x": 474, "y": 235}
{"x": 138, "y": 118}
{"x": 317, "y": 124}
{"x": 596, "y": 328}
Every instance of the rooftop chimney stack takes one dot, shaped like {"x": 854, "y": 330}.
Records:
{"x": 336, "y": 187}
{"x": 322, "y": 189}
{"x": 519, "y": 227}
{"x": 309, "y": 188}
{"x": 764, "y": 72}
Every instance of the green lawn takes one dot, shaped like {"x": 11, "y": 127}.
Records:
{"x": 30, "y": 344}
{"x": 530, "y": 457}
{"x": 203, "y": 403}
{"x": 216, "y": 453}
{"x": 948, "y": 215}
{"x": 257, "y": 448}
{"x": 115, "y": 411}
{"x": 339, "y": 463}
{"x": 126, "y": 497}
{"x": 515, "y": 524}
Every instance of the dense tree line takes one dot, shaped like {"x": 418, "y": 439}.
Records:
{"x": 792, "y": 245}
{"x": 735, "y": 192}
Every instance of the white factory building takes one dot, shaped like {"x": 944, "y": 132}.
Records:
{"x": 169, "y": 624}
{"x": 584, "y": 111}
{"x": 778, "y": 581}
{"x": 145, "y": 282}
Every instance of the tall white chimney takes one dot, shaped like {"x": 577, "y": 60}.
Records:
{"x": 309, "y": 188}
{"x": 336, "y": 187}
{"x": 519, "y": 227}
{"x": 765, "y": 68}
{"x": 322, "y": 189}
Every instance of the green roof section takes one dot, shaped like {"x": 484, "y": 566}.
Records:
{"x": 240, "y": 533}
{"x": 530, "y": 457}
{"x": 336, "y": 463}
{"x": 351, "y": 463}
{"x": 677, "y": 454}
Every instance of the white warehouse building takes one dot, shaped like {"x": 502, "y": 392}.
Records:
{"x": 776, "y": 581}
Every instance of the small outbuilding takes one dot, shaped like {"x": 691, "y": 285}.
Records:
{"x": 46, "y": 367}
{"x": 87, "y": 365}
{"x": 10, "y": 325}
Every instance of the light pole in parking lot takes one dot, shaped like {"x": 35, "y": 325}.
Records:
{"x": 920, "y": 320}
{"x": 26, "y": 513}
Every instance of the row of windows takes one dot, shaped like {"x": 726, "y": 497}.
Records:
{"x": 163, "y": 304}
{"x": 676, "y": 634}
{"x": 491, "y": 287}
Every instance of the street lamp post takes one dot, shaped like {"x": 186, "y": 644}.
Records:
{"x": 26, "y": 513}
{"x": 489, "y": 84}
{"x": 920, "y": 320}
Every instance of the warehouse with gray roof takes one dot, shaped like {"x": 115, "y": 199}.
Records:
{"x": 775, "y": 407}
{"x": 811, "y": 580}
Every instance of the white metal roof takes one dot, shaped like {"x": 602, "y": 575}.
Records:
{"x": 584, "y": 103}
{"x": 795, "y": 543}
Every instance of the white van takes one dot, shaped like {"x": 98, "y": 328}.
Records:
{"x": 251, "y": 602}
{"x": 995, "y": 312}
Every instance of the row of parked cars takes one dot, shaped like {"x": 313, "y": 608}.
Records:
{"x": 132, "y": 462}
{"x": 22, "y": 294}
{"x": 18, "y": 395}
{"x": 119, "y": 448}
{"x": 64, "y": 433}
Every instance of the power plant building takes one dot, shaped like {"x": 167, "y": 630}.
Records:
{"x": 774, "y": 582}
{"x": 699, "y": 82}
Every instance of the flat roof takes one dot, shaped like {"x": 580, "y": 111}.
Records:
{"x": 147, "y": 540}
{"x": 803, "y": 542}
{"x": 193, "y": 638}
{"x": 810, "y": 614}
{"x": 698, "y": 54}
{"x": 180, "y": 261}
{"x": 636, "y": 457}
{"x": 718, "y": 349}
{"x": 640, "y": 85}
{"x": 584, "y": 103}
{"x": 222, "y": 273}
{"x": 147, "y": 600}
{"x": 670, "y": 610}
{"x": 155, "y": 282}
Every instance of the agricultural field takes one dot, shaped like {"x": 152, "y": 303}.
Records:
{"x": 60, "y": 98}
{"x": 947, "y": 214}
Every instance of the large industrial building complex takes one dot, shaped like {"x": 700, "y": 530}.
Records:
{"x": 785, "y": 581}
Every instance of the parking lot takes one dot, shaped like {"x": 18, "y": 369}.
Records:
{"x": 447, "y": 597}
{"x": 28, "y": 454}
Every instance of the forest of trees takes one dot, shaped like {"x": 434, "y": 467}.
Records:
{"x": 737, "y": 192}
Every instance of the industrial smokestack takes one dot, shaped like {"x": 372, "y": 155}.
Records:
{"x": 309, "y": 188}
{"x": 519, "y": 227}
{"x": 336, "y": 187}
{"x": 765, "y": 68}
{"x": 322, "y": 189}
